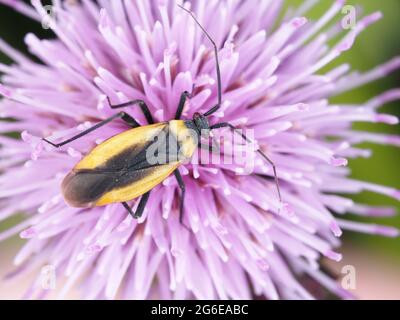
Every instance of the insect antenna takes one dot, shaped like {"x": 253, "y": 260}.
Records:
{"x": 218, "y": 105}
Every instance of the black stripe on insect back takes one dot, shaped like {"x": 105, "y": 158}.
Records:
{"x": 84, "y": 187}
{"x": 164, "y": 146}
{"x": 129, "y": 166}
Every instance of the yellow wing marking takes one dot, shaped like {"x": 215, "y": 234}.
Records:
{"x": 118, "y": 143}
{"x": 137, "y": 188}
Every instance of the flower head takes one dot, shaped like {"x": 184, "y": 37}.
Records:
{"x": 241, "y": 242}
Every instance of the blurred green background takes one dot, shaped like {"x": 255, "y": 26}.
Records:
{"x": 376, "y": 45}
{"x": 379, "y": 43}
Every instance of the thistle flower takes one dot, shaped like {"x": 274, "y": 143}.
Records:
{"x": 239, "y": 244}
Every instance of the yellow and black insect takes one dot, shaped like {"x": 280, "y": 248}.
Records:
{"x": 120, "y": 169}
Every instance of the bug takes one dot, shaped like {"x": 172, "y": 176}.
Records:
{"x": 119, "y": 169}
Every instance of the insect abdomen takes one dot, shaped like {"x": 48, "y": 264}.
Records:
{"x": 88, "y": 188}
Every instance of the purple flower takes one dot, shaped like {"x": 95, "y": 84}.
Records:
{"x": 240, "y": 243}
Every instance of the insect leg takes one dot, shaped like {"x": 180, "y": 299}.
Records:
{"x": 130, "y": 120}
{"x": 122, "y": 115}
{"x": 143, "y": 106}
{"x": 181, "y": 104}
{"x": 262, "y": 154}
{"x": 185, "y": 95}
{"x": 139, "y": 210}
{"x": 183, "y": 191}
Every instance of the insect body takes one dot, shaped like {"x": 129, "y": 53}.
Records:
{"x": 128, "y": 164}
